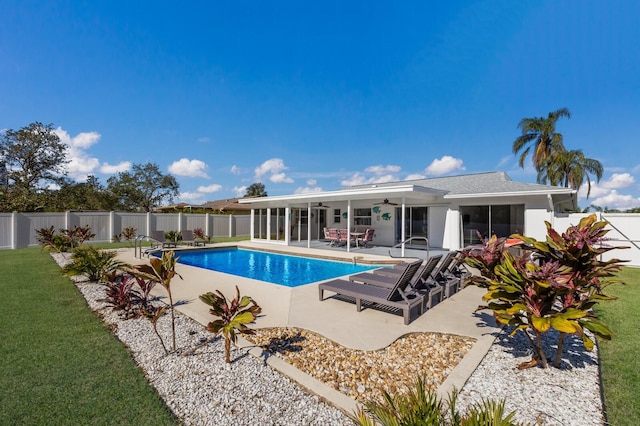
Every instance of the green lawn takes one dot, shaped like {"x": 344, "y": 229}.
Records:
{"x": 60, "y": 364}
{"x": 620, "y": 360}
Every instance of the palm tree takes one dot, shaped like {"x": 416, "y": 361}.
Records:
{"x": 540, "y": 134}
{"x": 569, "y": 169}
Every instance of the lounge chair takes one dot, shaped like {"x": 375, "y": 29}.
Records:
{"x": 459, "y": 270}
{"x": 422, "y": 281}
{"x": 189, "y": 239}
{"x": 159, "y": 237}
{"x": 447, "y": 281}
{"x": 396, "y": 297}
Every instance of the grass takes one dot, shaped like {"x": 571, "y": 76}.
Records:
{"x": 620, "y": 361}
{"x": 60, "y": 364}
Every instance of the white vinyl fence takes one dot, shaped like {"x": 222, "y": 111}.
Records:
{"x": 624, "y": 231}
{"x": 18, "y": 230}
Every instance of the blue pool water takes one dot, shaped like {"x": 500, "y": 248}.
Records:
{"x": 290, "y": 271}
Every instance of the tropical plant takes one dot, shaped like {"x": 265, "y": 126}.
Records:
{"x": 234, "y": 316}
{"x": 422, "y": 407}
{"x": 173, "y": 236}
{"x": 65, "y": 239}
{"x": 162, "y": 270}
{"x": 199, "y": 234}
{"x": 540, "y": 134}
{"x": 94, "y": 264}
{"x": 553, "y": 284}
{"x": 569, "y": 169}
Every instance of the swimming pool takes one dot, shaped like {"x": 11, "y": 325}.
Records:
{"x": 290, "y": 271}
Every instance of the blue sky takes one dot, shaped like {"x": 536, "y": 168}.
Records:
{"x": 316, "y": 96}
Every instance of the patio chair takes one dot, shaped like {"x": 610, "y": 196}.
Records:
{"x": 365, "y": 239}
{"x": 158, "y": 236}
{"x": 343, "y": 237}
{"x": 327, "y": 235}
{"x": 334, "y": 237}
{"x": 396, "y": 297}
{"x": 422, "y": 281}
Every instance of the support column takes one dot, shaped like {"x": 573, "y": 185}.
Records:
{"x": 348, "y": 225}
{"x": 402, "y": 227}
{"x": 309, "y": 224}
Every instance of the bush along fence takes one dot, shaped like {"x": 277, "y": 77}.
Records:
{"x": 19, "y": 230}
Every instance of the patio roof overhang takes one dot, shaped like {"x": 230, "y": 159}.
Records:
{"x": 410, "y": 193}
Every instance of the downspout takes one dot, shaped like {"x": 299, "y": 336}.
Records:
{"x": 551, "y": 210}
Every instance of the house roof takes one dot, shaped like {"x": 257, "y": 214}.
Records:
{"x": 484, "y": 184}
{"x": 226, "y": 205}
{"x": 491, "y": 184}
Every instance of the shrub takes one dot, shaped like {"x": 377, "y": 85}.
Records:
{"x": 234, "y": 315}
{"x": 93, "y": 263}
{"x": 199, "y": 234}
{"x": 553, "y": 284}
{"x": 127, "y": 234}
{"x": 65, "y": 239}
{"x": 421, "y": 407}
{"x": 174, "y": 236}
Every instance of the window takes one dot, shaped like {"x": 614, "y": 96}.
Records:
{"x": 362, "y": 217}
{"x": 336, "y": 216}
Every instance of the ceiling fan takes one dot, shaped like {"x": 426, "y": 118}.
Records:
{"x": 385, "y": 202}
{"x": 320, "y": 205}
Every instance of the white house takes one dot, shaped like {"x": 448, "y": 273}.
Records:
{"x": 448, "y": 211}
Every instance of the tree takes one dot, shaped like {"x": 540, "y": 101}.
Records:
{"x": 33, "y": 157}
{"x": 89, "y": 195}
{"x": 144, "y": 188}
{"x": 570, "y": 169}
{"x": 540, "y": 134}
{"x": 256, "y": 190}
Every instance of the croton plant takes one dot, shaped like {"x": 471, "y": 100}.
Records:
{"x": 551, "y": 284}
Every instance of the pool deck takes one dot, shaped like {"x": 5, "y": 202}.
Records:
{"x": 337, "y": 320}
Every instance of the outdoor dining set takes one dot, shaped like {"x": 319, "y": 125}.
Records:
{"x": 341, "y": 237}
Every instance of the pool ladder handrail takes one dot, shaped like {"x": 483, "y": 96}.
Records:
{"x": 137, "y": 245}
{"x": 405, "y": 242}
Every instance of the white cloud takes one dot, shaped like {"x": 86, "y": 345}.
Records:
{"x": 280, "y": 178}
{"x": 380, "y": 169}
{"x": 312, "y": 182}
{"x": 307, "y": 190}
{"x": 359, "y": 179}
{"x": 505, "y": 160}
{"x": 203, "y": 139}
{"x": 613, "y": 200}
{"x": 239, "y": 191}
{"x": 188, "y": 168}
{"x": 444, "y": 165}
{"x": 274, "y": 167}
{"x": 602, "y": 188}
{"x": 211, "y": 188}
{"x": 109, "y": 169}
{"x": 235, "y": 170}
{"x": 191, "y": 197}
{"x": 415, "y": 176}
{"x": 80, "y": 163}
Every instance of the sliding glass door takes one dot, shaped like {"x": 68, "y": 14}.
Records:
{"x": 481, "y": 221}
{"x": 416, "y": 224}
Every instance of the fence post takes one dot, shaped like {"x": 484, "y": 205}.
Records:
{"x": 112, "y": 224}
{"x": 14, "y": 230}
{"x": 230, "y": 225}
{"x": 207, "y": 227}
{"x": 67, "y": 219}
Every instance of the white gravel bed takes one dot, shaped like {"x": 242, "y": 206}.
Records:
{"x": 565, "y": 396}
{"x": 200, "y": 388}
